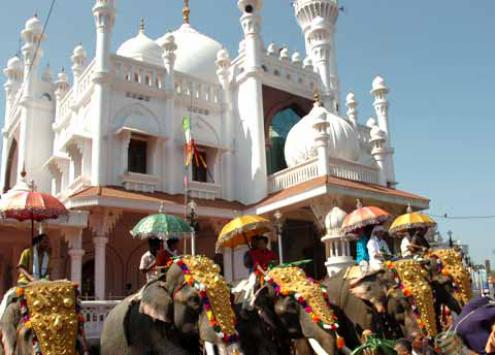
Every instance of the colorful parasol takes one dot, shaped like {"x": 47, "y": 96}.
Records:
{"x": 364, "y": 216}
{"x": 411, "y": 220}
{"x": 162, "y": 226}
{"x": 241, "y": 230}
{"x": 23, "y": 203}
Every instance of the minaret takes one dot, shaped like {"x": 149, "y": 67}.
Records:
{"x": 379, "y": 91}
{"x": 14, "y": 74}
{"x": 352, "y": 113}
{"x": 317, "y": 19}
{"x": 32, "y": 36}
{"x": 320, "y": 125}
{"x": 378, "y": 138}
{"x": 78, "y": 59}
{"x": 251, "y": 159}
{"x": 104, "y": 13}
{"x": 223, "y": 63}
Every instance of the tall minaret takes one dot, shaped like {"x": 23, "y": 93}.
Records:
{"x": 104, "y": 13}
{"x": 251, "y": 159}
{"x": 379, "y": 91}
{"x": 317, "y": 19}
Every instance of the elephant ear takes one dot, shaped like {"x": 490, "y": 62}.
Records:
{"x": 156, "y": 302}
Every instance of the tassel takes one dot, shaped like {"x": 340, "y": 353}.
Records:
{"x": 340, "y": 342}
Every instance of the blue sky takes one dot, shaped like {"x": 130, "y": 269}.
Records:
{"x": 438, "y": 58}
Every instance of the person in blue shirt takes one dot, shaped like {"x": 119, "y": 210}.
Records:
{"x": 361, "y": 245}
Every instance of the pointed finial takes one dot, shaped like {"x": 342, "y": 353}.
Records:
{"x": 316, "y": 96}
{"x": 162, "y": 207}
{"x": 409, "y": 208}
{"x": 359, "y": 204}
{"x": 186, "y": 11}
{"x": 141, "y": 25}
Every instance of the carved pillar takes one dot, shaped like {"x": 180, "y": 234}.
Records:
{"x": 339, "y": 255}
{"x": 76, "y": 253}
{"x": 101, "y": 223}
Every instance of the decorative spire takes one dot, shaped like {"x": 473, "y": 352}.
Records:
{"x": 141, "y": 25}
{"x": 316, "y": 96}
{"x": 409, "y": 208}
{"x": 186, "y": 11}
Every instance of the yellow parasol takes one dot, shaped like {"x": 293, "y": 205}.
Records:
{"x": 411, "y": 220}
{"x": 241, "y": 230}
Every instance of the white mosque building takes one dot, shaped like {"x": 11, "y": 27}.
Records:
{"x": 106, "y": 138}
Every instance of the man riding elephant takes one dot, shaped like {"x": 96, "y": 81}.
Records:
{"x": 172, "y": 315}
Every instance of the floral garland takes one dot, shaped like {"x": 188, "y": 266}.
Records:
{"x": 228, "y": 336}
{"x": 330, "y": 323}
{"x": 409, "y": 294}
{"x": 26, "y": 320}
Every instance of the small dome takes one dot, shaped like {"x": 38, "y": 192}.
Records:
{"x": 196, "y": 53}
{"x": 14, "y": 63}
{"x": 284, "y": 54}
{"x": 142, "y": 48}
{"x": 371, "y": 122}
{"x": 334, "y": 219}
{"x": 379, "y": 84}
{"x": 222, "y": 55}
{"x": 296, "y": 58}
{"x": 34, "y": 25}
{"x": 272, "y": 49}
{"x": 307, "y": 63}
{"x": 300, "y": 144}
{"x": 79, "y": 51}
{"x": 62, "y": 77}
{"x": 350, "y": 98}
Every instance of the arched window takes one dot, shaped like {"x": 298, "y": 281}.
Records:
{"x": 281, "y": 124}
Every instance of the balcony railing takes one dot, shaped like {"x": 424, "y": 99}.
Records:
{"x": 204, "y": 190}
{"x": 293, "y": 176}
{"x": 95, "y": 313}
{"x": 309, "y": 170}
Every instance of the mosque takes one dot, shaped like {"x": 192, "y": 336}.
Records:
{"x": 106, "y": 138}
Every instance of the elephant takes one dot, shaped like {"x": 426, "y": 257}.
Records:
{"x": 166, "y": 317}
{"x": 370, "y": 304}
{"x": 16, "y": 338}
{"x": 282, "y": 322}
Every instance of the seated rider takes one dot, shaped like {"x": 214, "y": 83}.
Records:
{"x": 259, "y": 256}
{"x": 34, "y": 263}
{"x": 148, "y": 260}
{"x": 414, "y": 242}
{"x": 257, "y": 260}
{"x": 166, "y": 254}
{"x": 378, "y": 249}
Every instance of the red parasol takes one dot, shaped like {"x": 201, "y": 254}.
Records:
{"x": 23, "y": 203}
{"x": 364, "y": 216}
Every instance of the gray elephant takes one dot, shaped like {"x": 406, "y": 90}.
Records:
{"x": 370, "y": 304}
{"x": 282, "y": 320}
{"x": 166, "y": 317}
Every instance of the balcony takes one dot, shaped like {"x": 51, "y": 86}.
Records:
{"x": 140, "y": 182}
{"x": 94, "y": 313}
{"x": 204, "y": 190}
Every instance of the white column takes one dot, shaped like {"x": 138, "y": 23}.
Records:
{"x": 76, "y": 253}
{"x": 100, "y": 242}
{"x": 251, "y": 160}
{"x": 321, "y": 126}
{"x": 3, "y": 169}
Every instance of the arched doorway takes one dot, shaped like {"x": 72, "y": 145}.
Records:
{"x": 281, "y": 124}
{"x": 11, "y": 171}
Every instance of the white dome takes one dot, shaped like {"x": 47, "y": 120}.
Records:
{"x": 378, "y": 84}
{"x": 371, "y": 122}
{"x": 334, "y": 218}
{"x": 34, "y": 25}
{"x": 14, "y": 63}
{"x": 377, "y": 134}
{"x": 142, "y": 48}
{"x": 79, "y": 51}
{"x": 300, "y": 144}
{"x": 196, "y": 53}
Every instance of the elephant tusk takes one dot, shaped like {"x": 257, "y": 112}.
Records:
{"x": 210, "y": 348}
{"x": 318, "y": 349}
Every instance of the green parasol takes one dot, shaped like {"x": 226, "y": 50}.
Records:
{"x": 161, "y": 226}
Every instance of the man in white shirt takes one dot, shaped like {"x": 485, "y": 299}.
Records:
{"x": 148, "y": 260}
{"x": 404, "y": 246}
{"x": 377, "y": 248}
